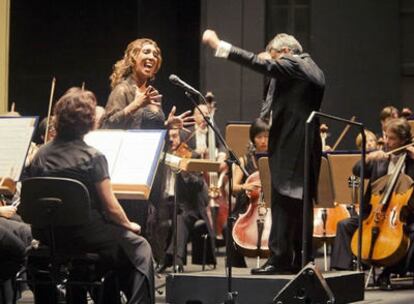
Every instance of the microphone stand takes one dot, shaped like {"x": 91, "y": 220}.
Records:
{"x": 232, "y": 159}
{"x": 307, "y": 202}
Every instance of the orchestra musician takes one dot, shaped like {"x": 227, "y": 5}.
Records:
{"x": 407, "y": 113}
{"x": 258, "y": 135}
{"x": 192, "y": 200}
{"x": 378, "y": 164}
{"x": 371, "y": 141}
{"x": 199, "y": 142}
{"x": 295, "y": 90}
{"x": 203, "y": 142}
{"x": 109, "y": 233}
{"x": 386, "y": 114}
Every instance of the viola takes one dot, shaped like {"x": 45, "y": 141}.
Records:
{"x": 384, "y": 241}
{"x": 252, "y": 229}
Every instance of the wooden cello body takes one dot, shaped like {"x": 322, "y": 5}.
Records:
{"x": 325, "y": 220}
{"x": 384, "y": 241}
{"x": 252, "y": 229}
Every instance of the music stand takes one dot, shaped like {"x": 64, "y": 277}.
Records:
{"x": 341, "y": 169}
{"x": 237, "y": 137}
{"x": 325, "y": 199}
{"x": 326, "y": 194}
{"x": 265, "y": 179}
{"x": 178, "y": 164}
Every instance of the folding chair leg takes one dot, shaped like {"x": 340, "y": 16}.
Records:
{"x": 204, "y": 236}
{"x": 371, "y": 272}
{"x": 325, "y": 255}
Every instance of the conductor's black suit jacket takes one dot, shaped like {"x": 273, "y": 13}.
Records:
{"x": 295, "y": 90}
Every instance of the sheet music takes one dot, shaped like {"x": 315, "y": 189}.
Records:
{"x": 132, "y": 155}
{"x": 136, "y": 157}
{"x": 15, "y": 137}
{"x": 108, "y": 142}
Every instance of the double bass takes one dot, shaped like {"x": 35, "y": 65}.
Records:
{"x": 252, "y": 229}
{"x": 384, "y": 241}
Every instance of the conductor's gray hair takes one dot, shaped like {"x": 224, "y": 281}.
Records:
{"x": 284, "y": 40}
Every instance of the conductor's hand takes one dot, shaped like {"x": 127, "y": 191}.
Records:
{"x": 134, "y": 227}
{"x": 264, "y": 56}
{"x": 210, "y": 38}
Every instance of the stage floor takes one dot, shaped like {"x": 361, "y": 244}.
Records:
{"x": 404, "y": 295}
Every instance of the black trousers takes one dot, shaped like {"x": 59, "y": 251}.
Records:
{"x": 342, "y": 257}
{"x": 285, "y": 240}
{"x": 12, "y": 253}
{"x": 128, "y": 254}
{"x": 185, "y": 225}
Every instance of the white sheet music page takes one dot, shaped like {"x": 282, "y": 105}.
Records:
{"x": 132, "y": 155}
{"x": 15, "y": 137}
{"x": 108, "y": 142}
{"x": 138, "y": 157}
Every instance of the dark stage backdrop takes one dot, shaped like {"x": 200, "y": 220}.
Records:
{"x": 362, "y": 46}
{"x": 79, "y": 41}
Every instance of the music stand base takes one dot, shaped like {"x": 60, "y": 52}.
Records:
{"x": 231, "y": 298}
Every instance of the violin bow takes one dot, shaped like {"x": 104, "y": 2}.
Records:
{"x": 344, "y": 131}
{"x": 399, "y": 149}
{"x": 52, "y": 92}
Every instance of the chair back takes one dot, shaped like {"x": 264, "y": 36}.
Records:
{"x": 54, "y": 201}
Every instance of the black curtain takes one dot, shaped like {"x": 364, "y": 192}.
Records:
{"x": 79, "y": 41}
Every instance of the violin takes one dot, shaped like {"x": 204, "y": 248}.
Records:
{"x": 252, "y": 229}
{"x": 7, "y": 186}
{"x": 183, "y": 151}
{"x": 384, "y": 241}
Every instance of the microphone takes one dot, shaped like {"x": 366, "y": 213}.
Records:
{"x": 178, "y": 82}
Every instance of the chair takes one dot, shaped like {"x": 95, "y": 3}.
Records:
{"x": 51, "y": 204}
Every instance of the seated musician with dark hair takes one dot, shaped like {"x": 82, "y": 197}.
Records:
{"x": 259, "y": 136}
{"x": 378, "y": 164}
{"x": 109, "y": 233}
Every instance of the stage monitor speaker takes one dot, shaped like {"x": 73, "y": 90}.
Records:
{"x": 308, "y": 287}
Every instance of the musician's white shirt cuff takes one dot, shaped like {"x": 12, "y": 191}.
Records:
{"x": 223, "y": 49}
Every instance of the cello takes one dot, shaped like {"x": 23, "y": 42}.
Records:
{"x": 384, "y": 241}
{"x": 252, "y": 229}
